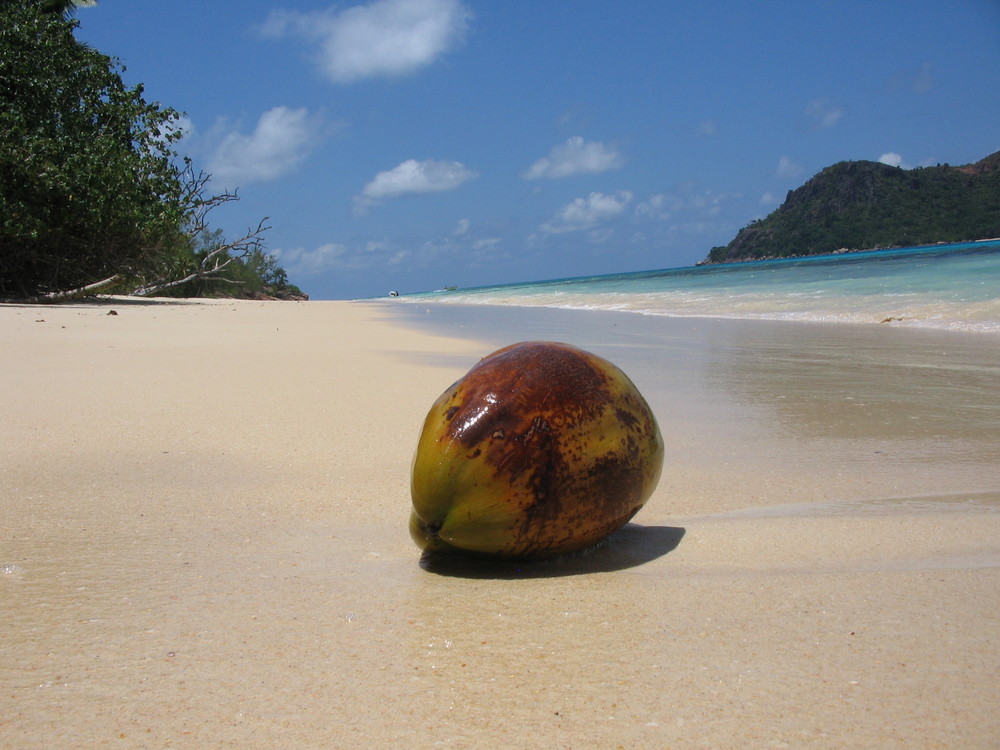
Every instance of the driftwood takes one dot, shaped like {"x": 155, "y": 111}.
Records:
{"x": 68, "y": 294}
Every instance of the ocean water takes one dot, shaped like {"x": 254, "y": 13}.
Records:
{"x": 941, "y": 286}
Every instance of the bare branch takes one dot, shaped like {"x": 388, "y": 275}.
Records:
{"x": 214, "y": 261}
{"x": 159, "y": 287}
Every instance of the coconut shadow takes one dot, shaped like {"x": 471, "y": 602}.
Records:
{"x": 629, "y": 547}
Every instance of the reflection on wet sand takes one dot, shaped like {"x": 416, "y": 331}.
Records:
{"x": 858, "y": 382}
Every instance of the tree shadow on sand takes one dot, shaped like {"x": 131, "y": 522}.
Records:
{"x": 629, "y": 547}
{"x": 97, "y": 302}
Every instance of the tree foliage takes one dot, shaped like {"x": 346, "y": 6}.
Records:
{"x": 91, "y": 186}
{"x": 64, "y": 7}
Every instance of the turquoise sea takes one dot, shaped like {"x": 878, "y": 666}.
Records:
{"x": 953, "y": 287}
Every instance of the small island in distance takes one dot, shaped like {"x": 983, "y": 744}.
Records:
{"x": 866, "y": 205}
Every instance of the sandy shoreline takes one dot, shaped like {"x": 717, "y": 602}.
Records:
{"x": 203, "y": 540}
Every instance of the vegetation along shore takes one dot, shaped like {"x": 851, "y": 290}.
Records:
{"x": 866, "y": 205}
{"x": 93, "y": 195}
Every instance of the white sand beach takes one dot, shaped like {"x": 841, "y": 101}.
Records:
{"x": 203, "y": 540}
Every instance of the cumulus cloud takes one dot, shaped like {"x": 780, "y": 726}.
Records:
{"x": 823, "y": 113}
{"x": 381, "y": 38}
{"x": 787, "y": 168}
{"x": 414, "y": 176}
{"x": 893, "y": 160}
{"x": 587, "y": 213}
{"x": 282, "y": 139}
{"x": 461, "y": 227}
{"x": 575, "y": 156}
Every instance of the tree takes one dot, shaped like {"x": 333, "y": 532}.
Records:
{"x": 93, "y": 195}
{"x": 65, "y": 7}
{"x": 207, "y": 255}
{"x": 89, "y": 185}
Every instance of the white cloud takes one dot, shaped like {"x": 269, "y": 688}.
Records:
{"x": 302, "y": 262}
{"x": 414, "y": 176}
{"x": 787, "y": 168}
{"x": 768, "y": 199}
{"x": 381, "y": 38}
{"x": 684, "y": 204}
{"x": 461, "y": 227}
{"x": 282, "y": 139}
{"x": 486, "y": 243}
{"x": 575, "y": 156}
{"x": 893, "y": 160}
{"x": 823, "y": 113}
{"x": 587, "y": 213}
{"x": 661, "y": 206}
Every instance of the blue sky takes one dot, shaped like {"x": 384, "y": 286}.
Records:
{"x": 415, "y": 144}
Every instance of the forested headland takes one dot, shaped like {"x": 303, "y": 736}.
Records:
{"x": 94, "y": 196}
{"x": 865, "y": 205}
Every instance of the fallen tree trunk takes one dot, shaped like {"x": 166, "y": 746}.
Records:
{"x": 68, "y": 294}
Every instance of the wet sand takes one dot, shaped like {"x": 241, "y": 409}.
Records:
{"x": 203, "y": 538}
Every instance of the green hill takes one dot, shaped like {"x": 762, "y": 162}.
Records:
{"x": 863, "y": 205}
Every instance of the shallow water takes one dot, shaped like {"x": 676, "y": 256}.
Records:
{"x": 954, "y": 287}
{"x": 831, "y": 411}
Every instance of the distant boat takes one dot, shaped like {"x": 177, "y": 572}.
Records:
{"x": 447, "y": 289}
